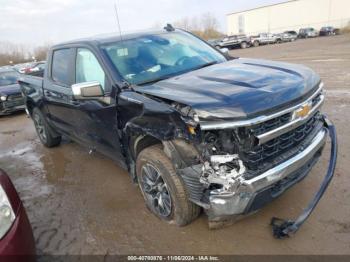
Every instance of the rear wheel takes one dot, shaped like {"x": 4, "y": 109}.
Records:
{"x": 163, "y": 190}
{"x": 256, "y": 43}
{"x": 43, "y": 130}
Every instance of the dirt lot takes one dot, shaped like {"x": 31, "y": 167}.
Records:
{"x": 85, "y": 204}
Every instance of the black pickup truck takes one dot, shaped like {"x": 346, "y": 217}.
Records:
{"x": 196, "y": 129}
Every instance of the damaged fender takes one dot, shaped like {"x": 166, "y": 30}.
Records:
{"x": 144, "y": 119}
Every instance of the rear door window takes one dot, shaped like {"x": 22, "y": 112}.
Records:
{"x": 61, "y": 72}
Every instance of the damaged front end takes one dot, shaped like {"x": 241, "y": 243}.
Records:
{"x": 243, "y": 165}
{"x": 232, "y": 168}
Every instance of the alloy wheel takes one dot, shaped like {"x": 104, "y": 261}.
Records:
{"x": 156, "y": 190}
{"x": 40, "y": 127}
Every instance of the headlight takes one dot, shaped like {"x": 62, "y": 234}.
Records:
{"x": 7, "y": 216}
{"x": 3, "y": 98}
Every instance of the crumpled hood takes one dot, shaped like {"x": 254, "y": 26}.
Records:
{"x": 10, "y": 89}
{"x": 238, "y": 88}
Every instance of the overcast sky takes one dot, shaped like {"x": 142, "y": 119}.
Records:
{"x": 33, "y": 22}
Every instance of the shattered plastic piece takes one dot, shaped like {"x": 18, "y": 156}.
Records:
{"x": 279, "y": 226}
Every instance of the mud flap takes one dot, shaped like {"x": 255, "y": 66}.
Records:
{"x": 285, "y": 228}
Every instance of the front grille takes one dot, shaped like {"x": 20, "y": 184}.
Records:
{"x": 316, "y": 99}
{"x": 13, "y": 101}
{"x": 259, "y": 155}
{"x": 280, "y": 120}
{"x": 15, "y": 97}
{"x": 271, "y": 124}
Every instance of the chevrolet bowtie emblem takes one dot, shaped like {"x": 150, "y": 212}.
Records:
{"x": 303, "y": 111}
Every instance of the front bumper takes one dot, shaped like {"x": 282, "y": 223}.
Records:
{"x": 253, "y": 193}
{"x": 9, "y": 107}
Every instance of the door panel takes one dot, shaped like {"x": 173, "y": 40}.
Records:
{"x": 57, "y": 92}
{"x": 96, "y": 120}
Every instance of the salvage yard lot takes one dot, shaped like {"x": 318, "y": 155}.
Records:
{"x": 85, "y": 204}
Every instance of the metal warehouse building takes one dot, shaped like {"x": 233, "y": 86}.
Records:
{"x": 290, "y": 15}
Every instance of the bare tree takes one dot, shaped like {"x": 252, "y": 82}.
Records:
{"x": 40, "y": 52}
{"x": 14, "y": 53}
{"x": 11, "y": 53}
{"x": 206, "y": 26}
{"x": 183, "y": 23}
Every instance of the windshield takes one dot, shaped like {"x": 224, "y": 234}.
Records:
{"x": 151, "y": 58}
{"x": 8, "y": 78}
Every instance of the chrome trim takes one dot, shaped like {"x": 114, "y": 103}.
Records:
{"x": 281, "y": 171}
{"x": 218, "y": 125}
{"x": 227, "y": 203}
{"x": 263, "y": 138}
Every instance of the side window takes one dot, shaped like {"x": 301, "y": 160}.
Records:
{"x": 88, "y": 68}
{"x": 60, "y": 71}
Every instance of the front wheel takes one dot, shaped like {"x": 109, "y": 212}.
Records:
{"x": 256, "y": 43}
{"x": 244, "y": 45}
{"x": 163, "y": 190}
{"x": 43, "y": 130}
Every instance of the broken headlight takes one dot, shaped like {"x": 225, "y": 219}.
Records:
{"x": 7, "y": 216}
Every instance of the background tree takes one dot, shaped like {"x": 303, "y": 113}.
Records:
{"x": 206, "y": 26}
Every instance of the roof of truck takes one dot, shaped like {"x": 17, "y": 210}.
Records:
{"x": 110, "y": 38}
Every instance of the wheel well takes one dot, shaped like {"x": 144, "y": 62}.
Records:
{"x": 143, "y": 142}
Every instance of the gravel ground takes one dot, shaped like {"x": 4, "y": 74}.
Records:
{"x": 85, "y": 204}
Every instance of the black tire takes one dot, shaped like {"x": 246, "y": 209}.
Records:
{"x": 171, "y": 191}
{"x": 217, "y": 47}
{"x": 45, "y": 134}
{"x": 244, "y": 45}
{"x": 256, "y": 43}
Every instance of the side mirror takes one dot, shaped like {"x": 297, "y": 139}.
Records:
{"x": 87, "y": 91}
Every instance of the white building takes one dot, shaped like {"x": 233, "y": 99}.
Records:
{"x": 290, "y": 15}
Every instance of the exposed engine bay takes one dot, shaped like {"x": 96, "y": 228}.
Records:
{"x": 222, "y": 170}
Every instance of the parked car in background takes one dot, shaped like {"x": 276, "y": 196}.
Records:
{"x": 21, "y": 68}
{"x": 11, "y": 99}
{"x": 8, "y": 67}
{"x": 307, "y": 32}
{"x": 234, "y": 41}
{"x": 214, "y": 42}
{"x": 16, "y": 236}
{"x": 292, "y": 33}
{"x": 263, "y": 39}
{"x": 195, "y": 128}
{"x": 36, "y": 69}
{"x": 329, "y": 30}
{"x": 286, "y": 36}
